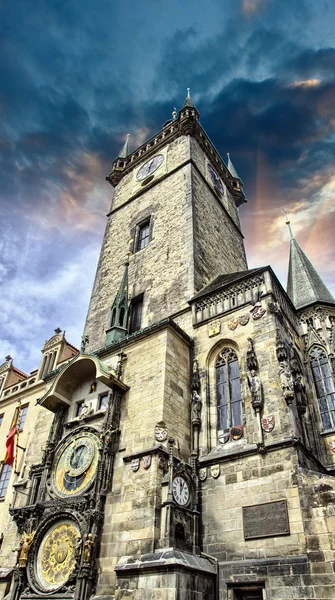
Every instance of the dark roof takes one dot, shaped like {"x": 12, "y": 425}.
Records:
{"x": 304, "y": 284}
{"x": 226, "y": 279}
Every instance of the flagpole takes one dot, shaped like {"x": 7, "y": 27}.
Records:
{"x": 18, "y": 425}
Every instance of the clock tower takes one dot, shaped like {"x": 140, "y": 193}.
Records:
{"x": 175, "y": 208}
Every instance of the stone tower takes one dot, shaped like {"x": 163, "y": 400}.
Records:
{"x": 175, "y": 207}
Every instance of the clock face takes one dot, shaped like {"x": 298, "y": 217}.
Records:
{"x": 180, "y": 490}
{"x": 215, "y": 179}
{"x": 150, "y": 167}
{"x": 75, "y": 464}
{"x": 56, "y": 555}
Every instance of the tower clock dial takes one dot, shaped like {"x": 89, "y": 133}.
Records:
{"x": 180, "y": 490}
{"x": 150, "y": 167}
{"x": 215, "y": 179}
{"x": 75, "y": 464}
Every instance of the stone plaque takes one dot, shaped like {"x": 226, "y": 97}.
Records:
{"x": 265, "y": 520}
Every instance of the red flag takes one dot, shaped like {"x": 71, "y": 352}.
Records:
{"x": 10, "y": 447}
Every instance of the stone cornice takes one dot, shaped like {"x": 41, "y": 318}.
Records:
{"x": 186, "y": 124}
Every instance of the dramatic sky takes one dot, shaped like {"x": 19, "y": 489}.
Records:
{"x": 77, "y": 76}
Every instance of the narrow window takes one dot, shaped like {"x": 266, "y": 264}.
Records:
{"x": 79, "y": 408}
{"x": 136, "y": 314}
{"x": 143, "y": 235}
{"x": 23, "y": 416}
{"x": 228, "y": 391}
{"x": 103, "y": 400}
{"x": 4, "y": 479}
{"x": 324, "y": 387}
{"x": 1, "y": 418}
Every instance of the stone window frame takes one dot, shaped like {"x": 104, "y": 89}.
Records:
{"x": 5, "y": 475}
{"x": 23, "y": 416}
{"x": 209, "y": 431}
{"x": 100, "y": 398}
{"x": 148, "y": 220}
{"x": 233, "y": 394}
{"x": 79, "y": 407}
{"x": 330, "y": 412}
{"x": 136, "y": 301}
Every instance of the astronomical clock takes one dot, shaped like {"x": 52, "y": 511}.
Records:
{"x": 61, "y": 524}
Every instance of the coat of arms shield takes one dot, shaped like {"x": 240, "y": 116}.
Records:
{"x": 332, "y": 446}
{"x": 202, "y": 474}
{"x": 215, "y": 471}
{"x": 268, "y": 423}
{"x": 233, "y": 324}
{"x": 146, "y": 461}
{"x": 244, "y": 319}
{"x": 135, "y": 464}
{"x": 236, "y": 432}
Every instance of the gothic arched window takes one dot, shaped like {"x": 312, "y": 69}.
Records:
{"x": 228, "y": 391}
{"x": 324, "y": 386}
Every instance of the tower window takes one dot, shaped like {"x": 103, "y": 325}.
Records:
{"x": 79, "y": 408}
{"x": 1, "y": 418}
{"x": 4, "y": 479}
{"x": 23, "y": 416}
{"x": 103, "y": 400}
{"x": 142, "y": 235}
{"x": 228, "y": 391}
{"x": 136, "y": 314}
{"x": 324, "y": 387}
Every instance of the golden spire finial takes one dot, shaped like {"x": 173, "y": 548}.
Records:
{"x": 288, "y": 223}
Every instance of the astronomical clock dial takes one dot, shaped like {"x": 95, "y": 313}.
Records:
{"x": 56, "y": 555}
{"x": 180, "y": 490}
{"x": 150, "y": 167}
{"x": 215, "y": 179}
{"x": 75, "y": 464}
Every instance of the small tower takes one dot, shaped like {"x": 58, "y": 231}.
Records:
{"x": 304, "y": 284}
{"x": 236, "y": 180}
{"x": 119, "y": 311}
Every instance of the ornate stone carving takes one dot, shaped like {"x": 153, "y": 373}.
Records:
{"x": 252, "y": 362}
{"x": 195, "y": 376}
{"x": 256, "y": 390}
{"x": 286, "y": 379}
{"x": 300, "y": 394}
{"x": 281, "y": 348}
{"x": 196, "y": 405}
{"x": 274, "y": 308}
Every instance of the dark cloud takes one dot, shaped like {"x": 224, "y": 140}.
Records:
{"x": 76, "y": 77}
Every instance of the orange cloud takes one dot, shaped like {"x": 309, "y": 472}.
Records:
{"x": 305, "y": 83}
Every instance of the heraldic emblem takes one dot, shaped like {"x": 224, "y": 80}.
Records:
{"x": 268, "y": 423}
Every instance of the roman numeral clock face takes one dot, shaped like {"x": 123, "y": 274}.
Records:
{"x": 75, "y": 464}
{"x": 150, "y": 167}
{"x": 180, "y": 490}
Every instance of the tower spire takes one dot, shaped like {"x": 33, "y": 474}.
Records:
{"x": 188, "y": 100}
{"x": 304, "y": 284}
{"x": 124, "y": 150}
{"x": 232, "y": 169}
{"x": 288, "y": 223}
{"x": 120, "y": 310}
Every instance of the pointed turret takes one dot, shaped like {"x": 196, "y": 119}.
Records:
{"x": 188, "y": 114}
{"x": 232, "y": 169}
{"x": 119, "y": 311}
{"x": 304, "y": 284}
{"x": 188, "y": 101}
{"x": 125, "y": 149}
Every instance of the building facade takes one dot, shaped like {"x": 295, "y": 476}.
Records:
{"x": 187, "y": 451}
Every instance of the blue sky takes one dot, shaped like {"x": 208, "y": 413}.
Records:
{"x": 76, "y": 77}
